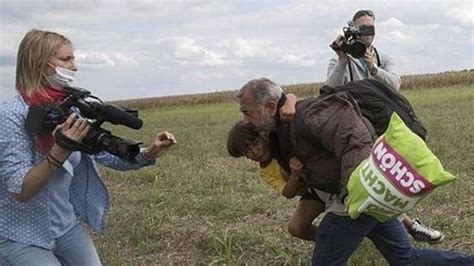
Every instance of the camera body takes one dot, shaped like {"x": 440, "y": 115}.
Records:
{"x": 351, "y": 43}
{"x": 351, "y": 40}
{"x": 43, "y": 119}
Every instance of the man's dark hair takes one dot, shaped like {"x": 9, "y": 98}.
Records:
{"x": 364, "y": 12}
{"x": 239, "y": 137}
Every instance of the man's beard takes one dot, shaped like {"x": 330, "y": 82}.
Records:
{"x": 267, "y": 125}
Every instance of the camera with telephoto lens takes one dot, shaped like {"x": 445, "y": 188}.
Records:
{"x": 42, "y": 119}
{"x": 351, "y": 40}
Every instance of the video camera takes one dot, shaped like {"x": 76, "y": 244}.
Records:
{"x": 43, "y": 119}
{"x": 351, "y": 42}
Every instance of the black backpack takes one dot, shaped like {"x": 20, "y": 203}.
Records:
{"x": 377, "y": 103}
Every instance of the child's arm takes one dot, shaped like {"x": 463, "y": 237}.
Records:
{"x": 292, "y": 186}
{"x": 288, "y": 109}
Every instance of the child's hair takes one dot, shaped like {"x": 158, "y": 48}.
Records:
{"x": 239, "y": 137}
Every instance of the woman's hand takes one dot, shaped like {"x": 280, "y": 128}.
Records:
{"x": 160, "y": 144}
{"x": 74, "y": 128}
{"x": 296, "y": 166}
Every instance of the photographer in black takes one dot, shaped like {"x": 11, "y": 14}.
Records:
{"x": 353, "y": 62}
{"x": 49, "y": 179}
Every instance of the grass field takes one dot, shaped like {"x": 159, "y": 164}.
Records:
{"x": 199, "y": 206}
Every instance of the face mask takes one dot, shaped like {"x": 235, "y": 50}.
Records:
{"x": 63, "y": 77}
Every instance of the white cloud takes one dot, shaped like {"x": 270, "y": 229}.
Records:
{"x": 186, "y": 50}
{"x": 403, "y": 60}
{"x": 398, "y": 36}
{"x": 124, "y": 59}
{"x": 266, "y": 50}
{"x": 297, "y": 60}
{"x": 243, "y": 49}
{"x": 94, "y": 59}
{"x": 464, "y": 15}
{"x": 392, "y": 22}
{"x": 202, "y": 76}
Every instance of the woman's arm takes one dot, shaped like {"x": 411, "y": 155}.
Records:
{"x": 39, "y": 175}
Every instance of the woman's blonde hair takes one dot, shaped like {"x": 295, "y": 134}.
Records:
{"x": 34, "y": 52}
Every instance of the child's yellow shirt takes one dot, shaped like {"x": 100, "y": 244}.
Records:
{"x": 274, "y": 175}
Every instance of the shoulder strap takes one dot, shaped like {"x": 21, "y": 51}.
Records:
{"x": 350, "y": 69}
{"x": 379, "y": 64}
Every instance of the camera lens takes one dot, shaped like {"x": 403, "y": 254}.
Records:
{"x": 100, "y": 139}
{"x": 123, "y": 148}
{"x": 356, "y": 49}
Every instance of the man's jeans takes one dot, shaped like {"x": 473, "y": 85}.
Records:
{"x": 73, "y": 248}
{"x": 339, "y": 236}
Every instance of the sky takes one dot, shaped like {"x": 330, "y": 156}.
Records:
{"x": 138, "y": 49}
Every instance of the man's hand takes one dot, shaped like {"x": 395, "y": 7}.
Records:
{"x": 370, "y": 61}
{"x": 296, "y": 166}
{"x": 160, "y": 144}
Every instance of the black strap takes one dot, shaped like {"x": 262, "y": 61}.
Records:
{"x": 379, "y": 63}
{"x": 71, "y": 145}
{"x": 350, "y": 69}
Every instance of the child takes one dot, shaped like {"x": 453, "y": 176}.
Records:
{"x": 243, "y": 140}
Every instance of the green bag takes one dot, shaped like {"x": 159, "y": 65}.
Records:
{"x": 400, "y": 171}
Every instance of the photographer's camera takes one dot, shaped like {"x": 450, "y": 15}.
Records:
{"x": 351, "y": 42}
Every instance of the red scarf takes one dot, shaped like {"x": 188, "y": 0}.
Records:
{"x": 47, "y": 95}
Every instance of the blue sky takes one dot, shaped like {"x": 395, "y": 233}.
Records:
{"x": 136, "y": 49}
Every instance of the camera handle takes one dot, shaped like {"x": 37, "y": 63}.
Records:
{"x": 72, "y": 145}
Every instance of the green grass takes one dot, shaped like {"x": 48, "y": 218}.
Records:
{"x": 199, "y": 206}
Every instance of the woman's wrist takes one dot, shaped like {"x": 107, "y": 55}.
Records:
{"x": 53, "y": 162}
{"x": 58, "y": 153}
{"x": 146, "y": 155}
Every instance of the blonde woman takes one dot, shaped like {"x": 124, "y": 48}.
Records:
{"x": 46, "y": 189}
